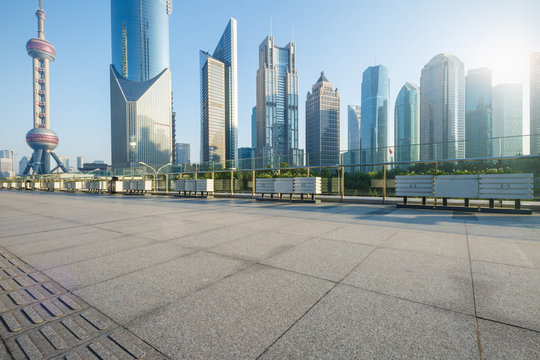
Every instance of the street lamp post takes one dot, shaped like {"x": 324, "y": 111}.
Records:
{"x": 155, "y": 172}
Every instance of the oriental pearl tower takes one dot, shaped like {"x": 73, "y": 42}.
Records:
{"x": 41, "y": 138}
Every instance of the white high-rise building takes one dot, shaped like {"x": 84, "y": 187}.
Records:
{"x": 219, "y": 99}
{"x": 353, "y": 128}
{"x": 277, "y": 105}
{"x": 507, "y": 120}
{"x": 140, "y": 80}
{"x": 442, "y": 109}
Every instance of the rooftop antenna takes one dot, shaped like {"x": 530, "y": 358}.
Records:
{"x": 292, "y": 32}
{"x": 41, "y": 4}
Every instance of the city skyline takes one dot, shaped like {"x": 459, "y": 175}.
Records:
{"x": 349, "y": 85}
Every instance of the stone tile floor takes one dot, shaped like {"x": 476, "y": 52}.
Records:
{"x": 118, "y": 277}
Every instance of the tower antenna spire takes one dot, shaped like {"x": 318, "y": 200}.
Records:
{"x": 271, "y": 34}
{"x": 292, "y": 32}
{"x": 41, "y": 4}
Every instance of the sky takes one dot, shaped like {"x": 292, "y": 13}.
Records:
{"x": 341, "y": 38}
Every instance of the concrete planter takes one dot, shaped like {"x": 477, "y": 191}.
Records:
{"x": 264, "y": 186}
{"x": 307, "y": 185}
{"x": 457, "y": 186}
{"x": 415, "y": 185}
{"x": 180, "y": 185}
{"x": 507, "y": 186}
{"x": 52, "y": 185}
{"x": 190, "y": 185}
{"x": 284, "y": 185}
{"x": 144, "y": 185}
{"x": 204, "y": 185}
{"x": 117, "y": 186}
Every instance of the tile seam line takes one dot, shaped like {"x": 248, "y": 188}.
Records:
{"x": 152, "y": 242}
{"x": 314, "y": 304}
{"x": 478, "y": 338}
{"x": 508, "y": 324}
{"x": 124, "y": 274}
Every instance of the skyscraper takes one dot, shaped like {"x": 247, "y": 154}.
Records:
{"x": 322, "y": 124}
{"x": 277, "y": 104}
{"x": 80, "y": 162}
{"x": 183, "y": 154}
{"x": 219, "y": 99}
{"x": 141, "y": 102}
{"x": 407, "y": 123}
{"x": 507, "y": 120}
{"x": 535, "y": 104}
{"x": 353, "y": 127}
{"x": 376, "y": 131}
{"x": 22, "y": 164}
{"x": 478, "y": 119}
{"x": 442, "y": 108}
{"x": 254, "y": 128}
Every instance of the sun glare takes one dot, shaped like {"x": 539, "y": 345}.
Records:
{"x": 509, "y": 65}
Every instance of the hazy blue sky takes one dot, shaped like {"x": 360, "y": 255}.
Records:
{"x": 341, "y": 37}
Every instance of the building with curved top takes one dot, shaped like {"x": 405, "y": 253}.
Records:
{"x": 442, "y": 108}
{"x": 407, "y": 123}
{"x": 141, "y": 99}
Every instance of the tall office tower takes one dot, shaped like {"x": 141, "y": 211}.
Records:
{"x": 322, "y": 124}
{"x": 478, "y": 119}
{"x": 173, "y": 119}
{"x": 442, "y": 109}
{"x": 183, "y": 154}
{"x": 22, "y": 164}
{"x": 219, "y": 99}
{"x": 407, "y": 123}
{"x": 352, "y": 156}
{"x": 507, "y": 120}
{"x": 141, "y": 104}
{"x": 353, "y": 127}
{"x": 80, "y": 162}
{"x": 254, "y": 128}
{"x": 277, "y": 104}
{"x": 376, "y": 131}
{"x": 535, "y": 104}
{"x": 5, "y": 154}
{"x": 41, "y": 138}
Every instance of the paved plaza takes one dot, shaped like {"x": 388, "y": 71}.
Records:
{"x": 130, "y": 277}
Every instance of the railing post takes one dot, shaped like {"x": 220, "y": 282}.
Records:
{"x": 167, "y": 183}
{"x": 384, "y": 184}
{"x": 232, "y": 183}
{"x": 342, "y": 187}
{"x": 308, "y": 172}
{"x": 253, "y": 184}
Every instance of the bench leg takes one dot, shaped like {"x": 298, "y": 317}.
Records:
{"x": 491, "y": 203}
{"x": 445, "y": 202}
{"x": 518, "y": 204}
{"x": 466, "y": 202}
{"x": 405, "y": 200}
{"x": 423, "y": 200}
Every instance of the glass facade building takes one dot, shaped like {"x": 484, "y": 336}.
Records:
{"x": 478, "y": 116}
{"x": 407, "y": 123}
{"x": 254, "y": 127}
{"x": 376, "y": 131}
{"x": 354, "y": 116}
{"x": 442, "y": 109}
{"x": 140, "y": 37}
{"x": 219, "y": 99}
{"x": 322, "y": 124}
{"x": 183, "y": 154}
{"x": 508, "y": 120}
{"x": 141, "y": 100}
{"x": 277, "y": 105}
{"x": 535, "y": 104}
